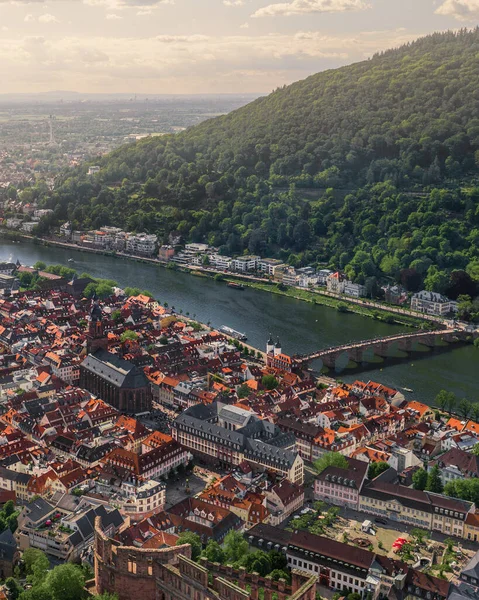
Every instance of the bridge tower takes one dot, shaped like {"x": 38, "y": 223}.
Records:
{"x": 277, "y": 347}
{"x": 270, "y": 345}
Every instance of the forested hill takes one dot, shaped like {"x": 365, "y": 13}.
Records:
{"x": 365, "y": 136}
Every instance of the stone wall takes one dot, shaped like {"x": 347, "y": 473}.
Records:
{"x": 130, "y": 572}
{"x": 169, "y": 574}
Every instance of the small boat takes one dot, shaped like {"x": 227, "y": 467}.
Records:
{"x": 232, "y": 333}
{"x": 408, "y": 390}
{"x": 235, "y": 286}
{"x": 70, "y": 260}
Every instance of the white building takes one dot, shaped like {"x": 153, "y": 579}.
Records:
{"x": 201, "y": 248}
{"x": 42, "y": 212}
{"x": 66, "y": 229}
{"x": 354, "y": 289}
{"x": 307, "y": 280}
{"x": 28, "y": 227}
{"x": 323, "y": 275}
{"x": 245, "y": 263}
{"x": 290, "y": 277}
{"x": 14, "y": 223}
{"x": 219, "y": 262}
{"x": 141, "y": 243}
{"x": 432, "y": 303}
{"x": 268, "y": 265}
{"x": 337, "y": 283}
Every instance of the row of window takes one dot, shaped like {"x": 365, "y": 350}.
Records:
{"x": 342, "y": 579}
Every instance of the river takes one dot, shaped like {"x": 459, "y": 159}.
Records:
{"x": 302, "y": 327}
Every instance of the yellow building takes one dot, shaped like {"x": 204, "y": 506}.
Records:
{"x": 471, "y": 527}
{"x": 413, "y": 507}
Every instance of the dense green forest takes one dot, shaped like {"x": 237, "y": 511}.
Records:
{"x": 371, "y": 168}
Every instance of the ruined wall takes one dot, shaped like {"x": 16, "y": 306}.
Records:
{"x": 130, "y": 572}
{"x": 170, "y": 574}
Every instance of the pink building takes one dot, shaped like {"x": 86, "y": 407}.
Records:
{"x": 341, "y": 486}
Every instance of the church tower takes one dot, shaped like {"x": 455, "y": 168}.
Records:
{"x": 96, "y": 334}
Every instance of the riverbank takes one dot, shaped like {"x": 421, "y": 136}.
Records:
{"x": 341, "y": 305}
{"x": 302, "y": 326}
{"x": 366, "y": 308}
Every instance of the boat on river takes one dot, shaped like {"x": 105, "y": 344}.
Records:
{"x": 235, "y": 286}
{"x": 233, "y": 333}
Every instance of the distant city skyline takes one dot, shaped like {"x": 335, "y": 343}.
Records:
{"x": 203, "y": 46}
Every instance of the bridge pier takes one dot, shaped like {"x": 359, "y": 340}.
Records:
{"x": 429, "y": 341}
{"x": 382, "y": 349}
{"x": 406, "y": 345}
{"x": 356, "y": 355}
{"x": 329, "y": 360}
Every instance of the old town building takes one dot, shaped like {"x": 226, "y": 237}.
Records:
{"x": 258, "y": 442}
{"x": 341, "y": 486}
{"x": 117, "y": 381}
{"x": 414, "y": 507}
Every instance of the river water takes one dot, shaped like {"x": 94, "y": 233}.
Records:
{"x": 302, "y": 327}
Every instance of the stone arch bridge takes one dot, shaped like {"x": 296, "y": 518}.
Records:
{"x": 364, "y": 351}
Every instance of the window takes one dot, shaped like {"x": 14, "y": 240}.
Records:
{"x": 132, "y": 565}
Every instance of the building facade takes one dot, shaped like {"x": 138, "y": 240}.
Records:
{"x": 432, "y": 303}
{"x": 341, "y": 486}
{"x": 414, "y": 507}
{"x": 198, "y": 430}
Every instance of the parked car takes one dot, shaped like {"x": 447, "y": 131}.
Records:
{"x": 381, "y": 521}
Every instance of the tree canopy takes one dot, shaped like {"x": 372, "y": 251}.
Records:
{"x": 434, "y": 481}
{"x": 188, "y": 537}
{"x": 330, "y": 459}
{"x": 419, "y": 479}
{"x": 235, "y": 546}
{"x": 377, "y": 468}
{"x": 466, "y": 489}
{"x": 128, "y": 335}
{"x": 356, "y": 167}
{"x": 64, "y": 582}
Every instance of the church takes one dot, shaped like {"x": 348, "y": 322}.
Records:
{"x": 109, "y": 377}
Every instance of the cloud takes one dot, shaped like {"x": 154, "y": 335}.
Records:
{"x": 188, "y": 39}
{"x": 113, "y": 17}
{"x": 111, "y": 4}
{"x": 181, "y": 63}
{"x": 298, "y": 7}
{"x": 48, "y": 18}
{"x": 122, "y": 4}
{"x": 233, "y": 2}
{"x": 145, "y": 5}
{"x": 244, "y": 26}
{"x": 462, "y": 10}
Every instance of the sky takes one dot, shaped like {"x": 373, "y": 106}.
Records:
{"x": 202, "y": 46}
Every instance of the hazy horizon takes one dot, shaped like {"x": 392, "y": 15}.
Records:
{"x": 199, "y": 47}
